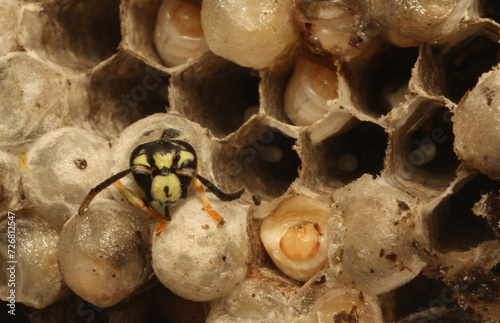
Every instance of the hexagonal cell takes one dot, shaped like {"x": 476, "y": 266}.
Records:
{"x": 452, "y": 66}
{"x": 163, "y": 35}
{"x": 421, "y": 159}
{"x": 453, "y": 223}
{"x": 380, "y": 83}
{"x": 356, "y": 149}
{"x": 217, "y": 94}
{"x": 33, "y": 100}
{"x": 122, "y": 91}
{"x": 75, "y": 34}
{"x": 259, "y": 157}
{"x": 465, "y": 63}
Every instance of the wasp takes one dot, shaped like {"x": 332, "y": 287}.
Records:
{"x": 164, "y": 169}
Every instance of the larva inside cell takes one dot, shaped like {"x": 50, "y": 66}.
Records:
{"x": 178, "y": 34}
{"x": 308, "y": 91}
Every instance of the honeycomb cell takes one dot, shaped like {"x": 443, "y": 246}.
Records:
{"x": 74, "y": 34}
{"x": 421, "y": 149}
{"x": 467, "y": 61}
{"x": 253, "y": 300}
{"x": 308, "y": 91}
{"x": 420, "y": 294}
{"x": 61, "y": 168}
{"x": 33, "y": 98}
{"x": 295, "y": 237}
{"x": 357, "y": 148}
{"x": 123, "y": 91}
{"x": 195, "y": 257}
{"x": 196, "y": 93}
{"x": 379, "y": 84}
{"x": 378, "y": 255}
{"x": 343, "y": 303}
{"x": 251, "y": 33}
{"x": 452, "y": 66}
{"x": 178, "y": 34}
{"x": 341, "y": 29}
{"x": 28, "y": 250}
{"x": 410, "y": 23}
{"x": 458, "y": 228}
{"x": 140, "y": 19}
{"x": 259, "y": 157}
{"x": 104, "y": 253}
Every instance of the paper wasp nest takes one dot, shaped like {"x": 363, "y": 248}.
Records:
{"x": 364, "y": 132}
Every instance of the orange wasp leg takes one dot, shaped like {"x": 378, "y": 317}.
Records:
{"x": 206, "y": 204}
{"x": 136, "y": 201}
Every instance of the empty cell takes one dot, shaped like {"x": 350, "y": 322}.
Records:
{"x": 465, "y": 63}
{"x": 124, "y": 91}
{"x": 421, "y": 294}
{"x": 421, "y": 149}
{"x": 260, "y": 159}
{"x": 489, "y": 9}
{"x": 459, "y": 228}
{"x": 348, "y": 155}
{"x": 263, "y": 160}
{"x": 217, "y": 99}
{"x": 380, "y": 84}
{"x": 75, "y": 34}
{"x": 431, "y": 144}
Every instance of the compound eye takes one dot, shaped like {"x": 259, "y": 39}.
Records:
{"x": 186, "y": 159}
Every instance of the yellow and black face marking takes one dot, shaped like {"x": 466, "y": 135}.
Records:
{"x": 164, "y": 169}
{"x": 171, "y": 164}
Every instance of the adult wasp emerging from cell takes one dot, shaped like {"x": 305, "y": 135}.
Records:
{"x": 164, "y": 169}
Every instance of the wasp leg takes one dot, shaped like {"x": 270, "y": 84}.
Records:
{"x": 93, "y": 192}
{"x": 136, "y": 201}
{"x": 217, "y": 192}
{"x": 206, "y": 204}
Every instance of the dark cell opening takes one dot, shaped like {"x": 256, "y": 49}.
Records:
{"x": 124, "y": 91}
{"x": 383, "y": 80}
{"x": 490, "y": 9}
{"x": 465, "y": 63}
{"x": 349, "y": 155}
{"x": 420, "y": 294}
{"x": 90, "y": 32}
{"x": 430, "y": 146}
{"x": 220, "y": 97}
{"x": 460, "y": 228}
{"x": 270, "y": 157}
